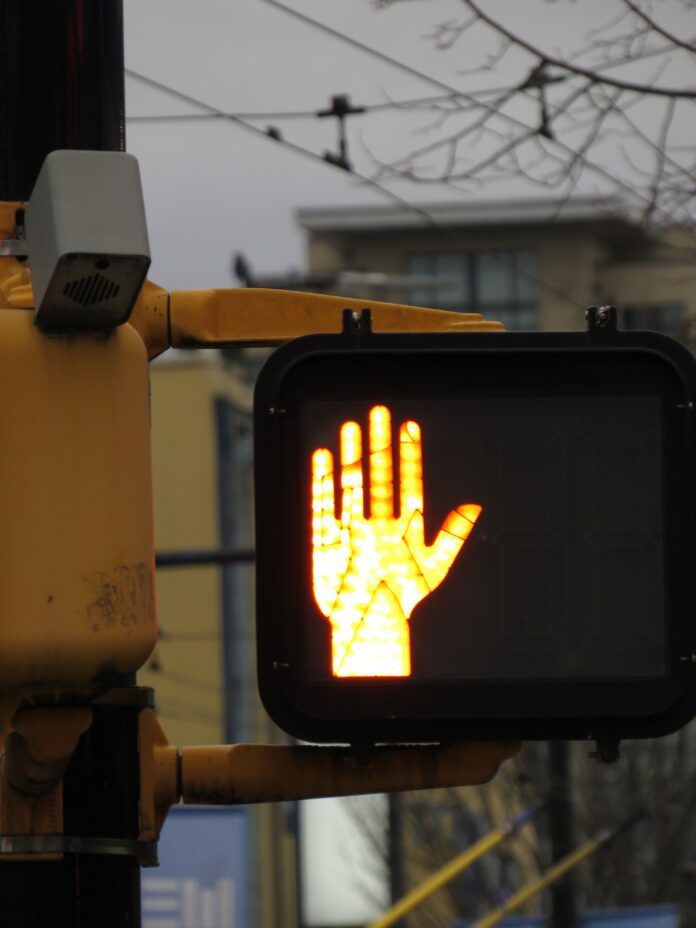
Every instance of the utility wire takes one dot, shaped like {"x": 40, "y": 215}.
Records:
{"x": 184, "y": 680}
{"x": 176, "y": 637}
{"x": 421, "y": 75}
{"x": 190, "y": 713}
{"x": 492, "y": 108}
{"x": 293, "y": 146}
{"x": 367, "y": 49}
{"x": 406, "y": 206}
{"x": 414, "y": 103}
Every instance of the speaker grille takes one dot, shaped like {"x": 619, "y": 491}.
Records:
{"x": 86, "y": 291}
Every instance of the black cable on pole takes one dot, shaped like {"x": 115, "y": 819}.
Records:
{"x": 61, "y": 84}
{"x": 563, "y": 902}
{"x": 197, "y": 557}
{"x": 340, "y": 108}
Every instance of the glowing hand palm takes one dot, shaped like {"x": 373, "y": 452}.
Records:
{"x": 369, "y": 574}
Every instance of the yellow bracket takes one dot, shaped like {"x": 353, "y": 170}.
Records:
{"x": 232, "y": 774}
{"x": 33, "y": 757}
{"x": 227, "y": 774}
{"x": 245, "y": 317}
{"x": 248, "y": 316}
{"x": 220, "y": 318}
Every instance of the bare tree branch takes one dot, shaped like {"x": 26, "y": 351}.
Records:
{"x": 565, "y": 124}
{"x": 594, "y": 76}
{"x": 654, "y": 26}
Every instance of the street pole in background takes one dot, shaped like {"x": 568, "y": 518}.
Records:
{"x": 61, "y": 84}
{"x": 395, "y": 843}
{"x": 62, "y": 87}
{"x": 563, "y": 913}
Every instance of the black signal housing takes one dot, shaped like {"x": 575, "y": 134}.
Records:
{"x": 569, "y": 612}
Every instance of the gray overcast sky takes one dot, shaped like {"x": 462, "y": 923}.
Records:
{"x": 211, "y": 188}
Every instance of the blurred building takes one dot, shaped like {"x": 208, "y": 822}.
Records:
{"x": 533, "y": 264}
{"x": 203, "y": 668}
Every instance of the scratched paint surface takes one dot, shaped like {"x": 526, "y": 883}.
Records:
{"x": 120, "y": 597}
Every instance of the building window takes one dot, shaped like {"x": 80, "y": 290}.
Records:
{"x": 499, "y": 284}
{"x": 668, "y": 318}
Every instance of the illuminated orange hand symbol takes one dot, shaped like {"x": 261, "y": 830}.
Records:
{"x": 369, "y": 574}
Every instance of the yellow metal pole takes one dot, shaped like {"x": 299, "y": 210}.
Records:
{"x": 557, "y": 871}
{"x": 456, "y": 866}
{"x": 533, "y": 889}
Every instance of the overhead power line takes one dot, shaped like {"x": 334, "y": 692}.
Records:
{"x": 401, "y": 203}
{"x": 436, "y": 82}
{"x": 367, "y": 49}
{"x": 494, "y": 108}
{"x": 412, "y": 103}
{"x": 184, "y": 680}
{"x": 292, "y": 146}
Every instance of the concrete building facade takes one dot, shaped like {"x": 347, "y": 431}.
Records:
{"x": 533, "y": 264}
{"x": 204, "y": 666}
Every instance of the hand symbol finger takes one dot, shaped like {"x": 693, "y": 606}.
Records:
{"x": 351, "y": 473}
{"x": 325, "y": 529}
{"x": 410, "y": 469}
{"x": 381, "y": 464}
{"x": 455, "y": 530}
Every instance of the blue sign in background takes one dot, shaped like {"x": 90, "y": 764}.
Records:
{"x": 658, "y": 916}
{"x": 202, "y": 880}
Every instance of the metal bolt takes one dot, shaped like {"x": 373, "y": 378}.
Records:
{"x": 603, "y": 314}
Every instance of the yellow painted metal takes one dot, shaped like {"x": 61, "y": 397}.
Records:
{"x": 255, "y": 773}
{"x": 245, "y": 316}
{"x": 210, "y": 318}
{"x": 21, "y": 815}
{"x": 150, "y": 318}
{"x": 215, "y": 318}
{"x": 76, "y": 599}
{"x": 441, "y": 877}
{"x": 77, "y": 602}
{"x": 34, "y": 756}
{"x": 38, "y": 749}
{"x": 15, "y": 279}
{"x": 159, "y": 775}
{"x": 15, "y": 285}
{"x": 247, "y": 773}
{"x": 558, "y": 870}
{"x": 8, "y": 217}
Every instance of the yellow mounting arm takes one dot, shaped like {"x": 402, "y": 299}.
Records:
{"x": 30, "y": 779}
{"x": 220, "y": 318}
{"x": 262, "y": 773}
{"x": 230, "y": 774}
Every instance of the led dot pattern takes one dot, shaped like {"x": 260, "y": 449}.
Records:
{"x": 368, "y": 574}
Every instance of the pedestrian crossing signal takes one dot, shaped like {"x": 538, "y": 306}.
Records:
{"x": 476, "y": 535}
